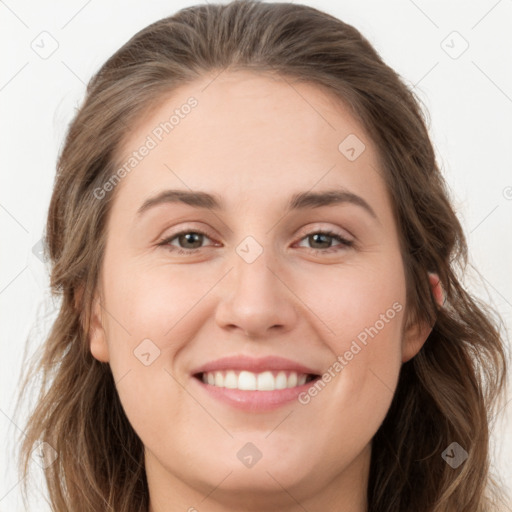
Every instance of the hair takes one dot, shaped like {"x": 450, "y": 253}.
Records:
{"x": 449, "y": 392}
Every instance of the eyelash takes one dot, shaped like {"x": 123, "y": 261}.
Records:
{"x": 166, "y": 242}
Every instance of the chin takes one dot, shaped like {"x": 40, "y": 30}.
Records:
{"x": 268, "y": 475}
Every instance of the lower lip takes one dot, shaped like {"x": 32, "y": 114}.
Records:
{"x": 254, "y": 401}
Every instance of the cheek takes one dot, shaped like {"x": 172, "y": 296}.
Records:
{"x": 155, "y": 303}
{"x": 363, "y": 310}
{"x": 150, "y": 398}
{"x": 146, "y": 328}
{"x": 152, "y": 315}
{"x": 357, "y": 302}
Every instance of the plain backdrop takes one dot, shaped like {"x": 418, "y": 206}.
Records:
{"x": 457, "y": 55}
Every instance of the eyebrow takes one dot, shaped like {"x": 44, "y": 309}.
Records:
{"x": 298, "y": 201}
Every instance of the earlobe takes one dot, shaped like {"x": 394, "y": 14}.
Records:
{"x": 416, "y": 335}
{"x": 414, "y": 339}
{"x": 97, "y": 338}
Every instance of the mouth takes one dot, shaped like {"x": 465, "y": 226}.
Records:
{"x": 267, "y": 380}
{"x": 253, "y": 384}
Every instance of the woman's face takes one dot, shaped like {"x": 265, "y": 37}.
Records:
{"x": 252, "y": 245}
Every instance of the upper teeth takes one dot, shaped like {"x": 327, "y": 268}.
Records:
{"x": 248, "y": 381}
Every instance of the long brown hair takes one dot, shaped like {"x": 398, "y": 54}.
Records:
{"x": 450, "y": 392}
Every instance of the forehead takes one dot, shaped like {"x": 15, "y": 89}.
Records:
{"x": 250, "y": 134}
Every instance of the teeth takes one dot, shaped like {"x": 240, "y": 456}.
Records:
{"x": 249, "y": 381}
{"x": 266, "y": 381}
{"x": 281, "y": 380}
{"x": 230, "y": 380}
{"x": 219, "y": 379}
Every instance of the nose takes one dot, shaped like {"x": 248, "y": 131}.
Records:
{"x": 255, "y": 299}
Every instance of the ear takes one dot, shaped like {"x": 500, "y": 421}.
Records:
{"x": 416, "y": 335}
{"x": 437, "y": 288}
{"x": 97, "y": 337}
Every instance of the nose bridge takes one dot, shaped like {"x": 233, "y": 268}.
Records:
{"x": 251, "y": 273}
{"x": 255, "y": 299}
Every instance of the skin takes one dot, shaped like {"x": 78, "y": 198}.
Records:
{"x": 254, "y": 141}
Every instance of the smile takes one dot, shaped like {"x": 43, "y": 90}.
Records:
{"x": 250, "y": 381}
{"x": 253, "y": 384}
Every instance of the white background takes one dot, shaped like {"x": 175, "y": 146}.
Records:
{"x": 469, "y": 99}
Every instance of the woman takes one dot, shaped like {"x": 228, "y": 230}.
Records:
{"x": 313, "y": 347}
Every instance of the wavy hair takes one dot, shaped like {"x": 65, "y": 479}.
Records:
{"x": 449, "y": 392}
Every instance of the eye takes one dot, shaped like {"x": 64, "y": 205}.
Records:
{"x": 322, "y": 241}
{"x": 190, "y": 241}
{"x": 185, "y": 242}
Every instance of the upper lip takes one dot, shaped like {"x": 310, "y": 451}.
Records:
{"x": 253, "y": 364}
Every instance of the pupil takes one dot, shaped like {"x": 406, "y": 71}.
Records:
{"x": 193, "y": 238}
{"x": 315, "y": 239}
